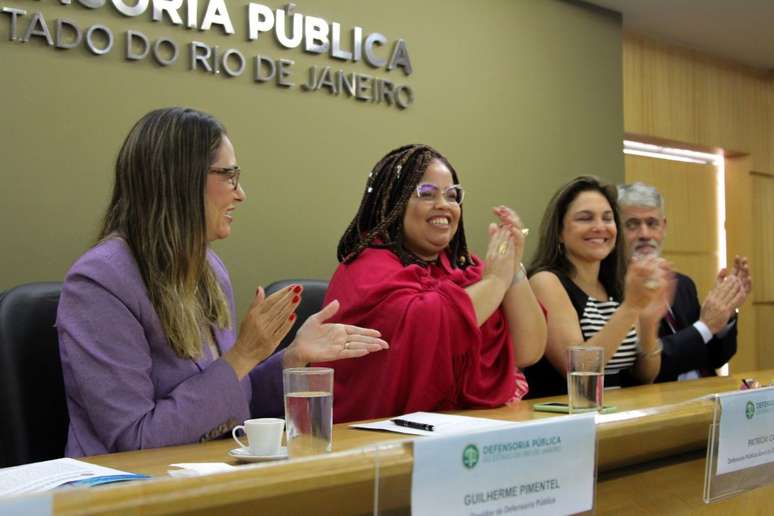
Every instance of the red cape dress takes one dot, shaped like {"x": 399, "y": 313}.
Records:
{"x": 439, "y": 359}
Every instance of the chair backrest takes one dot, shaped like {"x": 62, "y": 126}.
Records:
{"x": 311, "y": 302}
{"x": 33, "y": 407}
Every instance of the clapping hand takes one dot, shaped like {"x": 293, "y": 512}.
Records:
{"x": 511, "y": 221}
{"x": 318, "y": 341}
{"x": 500, "y": 256}
{"x": 727, "y": 295}
{"x": 267, "y": 322}
{"x": 663, "y": 296}
{"x": 742, "y": 271}
{"x": 648, "y": 282}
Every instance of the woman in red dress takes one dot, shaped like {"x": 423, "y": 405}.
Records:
{"x": 459, "y": 328}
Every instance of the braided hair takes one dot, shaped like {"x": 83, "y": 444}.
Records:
{"x": 379, "y": 220}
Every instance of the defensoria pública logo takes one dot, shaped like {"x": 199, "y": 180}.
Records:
{"x": 470, "y": 456}
{"x": 749, "y": 410}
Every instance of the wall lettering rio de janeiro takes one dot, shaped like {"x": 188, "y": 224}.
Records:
{"x": 289, "y": 28}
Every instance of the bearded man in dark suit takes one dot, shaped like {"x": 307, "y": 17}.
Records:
{"x": 696, "y": 339}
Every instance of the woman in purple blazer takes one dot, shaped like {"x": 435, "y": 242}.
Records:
{"x": 150, "y": 351}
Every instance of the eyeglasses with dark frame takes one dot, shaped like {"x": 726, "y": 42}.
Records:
{"x": 230, "y": 173}
{"x": 429, "y": 192}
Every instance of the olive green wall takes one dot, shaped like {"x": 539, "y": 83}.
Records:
{"x": 521, "y": 95}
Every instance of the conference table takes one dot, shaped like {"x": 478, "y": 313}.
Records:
{"x": 651, "y": 460}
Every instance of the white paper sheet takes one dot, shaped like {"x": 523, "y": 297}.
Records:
{"x": 443, "y": 424}
{"x": 42, "y": 476}
{"x": 195, "y": 469}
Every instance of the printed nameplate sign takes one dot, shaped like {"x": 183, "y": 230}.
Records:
{"x": 536, "y": 467}
{"x": 746, "y": 436}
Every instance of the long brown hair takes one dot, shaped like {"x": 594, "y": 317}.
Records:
{"x": 158, "y": 208}
{"x": 551, "y": 254}
{"x": 379, "y": 219}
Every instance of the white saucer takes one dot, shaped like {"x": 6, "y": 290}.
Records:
{"x": 244, "y": 455}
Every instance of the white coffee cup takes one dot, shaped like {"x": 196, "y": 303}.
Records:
{"x": 264, "y": 435}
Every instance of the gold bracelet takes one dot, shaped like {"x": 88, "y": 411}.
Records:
{"x": 653, "y": 353}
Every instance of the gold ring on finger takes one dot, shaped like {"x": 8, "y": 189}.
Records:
{"x": 651, "y": 284}
{"x": 502, "y": 248}
{"x": 346, "y": 345}
{"x": 525, "y": 231}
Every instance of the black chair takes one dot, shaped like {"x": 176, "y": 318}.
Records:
{"x": 33, "y": 407}
{"x": 311, "y": 302}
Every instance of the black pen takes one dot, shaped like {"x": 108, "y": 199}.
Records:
{"x": 413, "y": 424}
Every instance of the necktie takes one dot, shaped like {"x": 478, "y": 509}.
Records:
{"x": 670, "y": 319}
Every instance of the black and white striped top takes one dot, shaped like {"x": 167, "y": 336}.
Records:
{"x": 545, "y": 380}
{"x": 594, "y": 317}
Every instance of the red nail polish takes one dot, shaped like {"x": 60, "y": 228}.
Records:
{"x": 297, "y": 289}
{"x": 292, "y": 317}
{"x": 296, "y": 299}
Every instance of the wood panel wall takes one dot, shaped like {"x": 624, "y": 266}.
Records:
{"x": 763, "y": 265}
{"x": 690, "y": 198}
{"x": 683, "y": 97}
{"x": 763, "y": 210}
{"x": 739, "y": 239}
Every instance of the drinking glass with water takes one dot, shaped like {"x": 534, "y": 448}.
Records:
{"x": 585, "y": 378}
{"x": 308, "y": 410}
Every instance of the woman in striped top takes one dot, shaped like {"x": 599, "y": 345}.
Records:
{"x": 578, "y": 275}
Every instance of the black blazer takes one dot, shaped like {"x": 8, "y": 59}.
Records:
{"x": 685, "y": 350}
